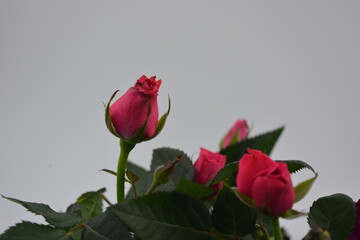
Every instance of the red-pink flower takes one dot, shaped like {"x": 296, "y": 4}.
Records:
{"x": 238, "y": 132}
{"x": 267, "y": 182}
{"x": 135, "y": 115}
{"x": 207, "y": 166}
{"x": 355, "y": 234}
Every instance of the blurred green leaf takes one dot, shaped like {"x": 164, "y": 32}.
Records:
{"x": 335, "y": 213}
{"x": 88, "y": 205}
{"x": 165, "y": 216}
{"x": 32, "y": 231}
{"x": 106, "y": 226}
{"x": 194, "y": 189}
{"x": 226, "y": 172}
{"x": 57, "y": 219}
{"x": 297, "y": 165}
{"x": 232, "y": 216}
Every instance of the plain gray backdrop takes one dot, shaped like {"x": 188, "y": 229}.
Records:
{"x": 274, "y": 63}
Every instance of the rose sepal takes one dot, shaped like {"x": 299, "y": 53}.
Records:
{"x": 108, "y": 121}
{"x": 291, "y": 214}
{"x": 302, "y": 189}
{"x": 244, "y": 198}
{"x": 161, "y": 123}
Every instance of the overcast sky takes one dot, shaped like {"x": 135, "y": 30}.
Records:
{"x": 274, "y": 63}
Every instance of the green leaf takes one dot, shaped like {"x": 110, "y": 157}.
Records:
{"x": 142, "y": 184}
{"x": 57, "y": 219}
{"x": 226, "y": 172}
{"x": 297, "y": 165}
{"x": 75, "y": 236}
{"x": 91, "y": 204}
{"x": 232, "y": 216}
{"x": 165, "y": 216}
{"x": 194, "y": 189}
{"x": 106, "y": 226}
{"x": 264, "y": 143}
{"x": 184, "y": 169}
{"x": 303, "y": 188}
{"x": 32, "y": 231}
{"x": 335, "y": 213}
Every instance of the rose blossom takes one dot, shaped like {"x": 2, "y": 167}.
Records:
{"x": 239, "y": 131}
{"x": 135, "y": 108}
{"x": 267, "y": 182}
{"x": 207, "y": 166}
{"x": 355, "y": 234}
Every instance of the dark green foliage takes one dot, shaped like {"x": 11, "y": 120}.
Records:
{"x": 193, "y": 189}
{"x": 106, "y": 226}
{"x": 32, "y": 231}
{"x": 297, "y": 165}
{"x": 165, "y": 216}
{"x": 226, "y": 172}
{"x": 335, "y": 213}
{"x": 60, "y": 220}
{"x": 231, "y": 216}
{"x": 88, "y": 205}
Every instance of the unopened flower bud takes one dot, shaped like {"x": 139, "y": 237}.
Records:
{"x": 163, "y": 173}
{"x": 318, "y": 234}
{"x": 257, "y": 232}
{"x": 238, "y": 132}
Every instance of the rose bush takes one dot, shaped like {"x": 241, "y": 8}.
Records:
{"x": 239, "y": 131}
{"x": 207, "y": 166}
{"x": 175, "y": 199}
{"x": 267, "y": 182}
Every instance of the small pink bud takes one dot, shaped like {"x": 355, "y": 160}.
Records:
{"x": 238, "y": 132}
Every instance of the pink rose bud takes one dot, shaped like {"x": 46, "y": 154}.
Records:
{"x": 267, "y": 182}
{"x": 135, "y": 115}
{"x": 238, "y": 132}
{"x": 207, "y": 166}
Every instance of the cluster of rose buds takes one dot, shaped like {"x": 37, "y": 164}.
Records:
{"x": 134, "y": 118}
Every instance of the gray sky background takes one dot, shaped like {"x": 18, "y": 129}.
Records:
{"x": 293, "y": 63}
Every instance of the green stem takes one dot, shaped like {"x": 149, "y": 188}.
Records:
{"x": 125, "y": 149}
{"x": 276, "y": 228}
{"x": 152, "y": 187}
